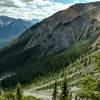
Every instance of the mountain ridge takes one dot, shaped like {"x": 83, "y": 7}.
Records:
{"x": 52, "y": 44}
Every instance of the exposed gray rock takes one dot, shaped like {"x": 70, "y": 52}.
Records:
{"x": 65, "y": 28}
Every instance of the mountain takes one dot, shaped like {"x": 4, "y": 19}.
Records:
{"x": 34, "y": 21}
{"x": 14, "y": 29}
{"x": 5, "y": 20}
{"x": 11, "y": 28}
{"x": 52, "y": 44}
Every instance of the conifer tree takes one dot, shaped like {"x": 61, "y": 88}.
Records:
{"x": 1, "y": 94}
{"x": 55, "y": 91}
{"x": 64, "y": 90}
{"x": 70, "y": 96}
{"x": 76, "y": 97}
{"x": 19, "y": 92}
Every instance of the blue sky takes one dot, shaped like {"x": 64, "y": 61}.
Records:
{"x": 38, "y": 9}
{"x": 74, "y": 1}
{"x": 69, "y": 1}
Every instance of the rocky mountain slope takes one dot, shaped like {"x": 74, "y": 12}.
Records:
{"x": 51, "y": 44}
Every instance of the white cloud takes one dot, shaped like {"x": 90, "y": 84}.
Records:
{"x": 27, "y": 9}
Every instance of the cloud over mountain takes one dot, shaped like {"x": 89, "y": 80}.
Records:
{"x": 29, "y": 9}
{"x": 39, "y": 9}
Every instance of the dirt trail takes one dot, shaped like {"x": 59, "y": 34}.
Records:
{"x": 44, "y": 94}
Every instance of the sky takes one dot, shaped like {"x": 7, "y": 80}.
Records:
{"x": 35, "y": 9}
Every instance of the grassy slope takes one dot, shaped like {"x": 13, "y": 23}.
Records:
{"x": 84, "y": 66}
{"x": 47, "y": 66}
{"x": 75, "y": 71}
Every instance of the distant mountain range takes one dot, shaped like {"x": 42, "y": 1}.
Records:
{"x": 11, "y": 28}
{"x": 52, "y": 44}
{"x": 34, "y": 21}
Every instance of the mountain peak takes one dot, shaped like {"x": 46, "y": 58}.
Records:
{"x": 11, "y": 28}
{"x": 73, "y": 12}
{"x": 5, "y": 20}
